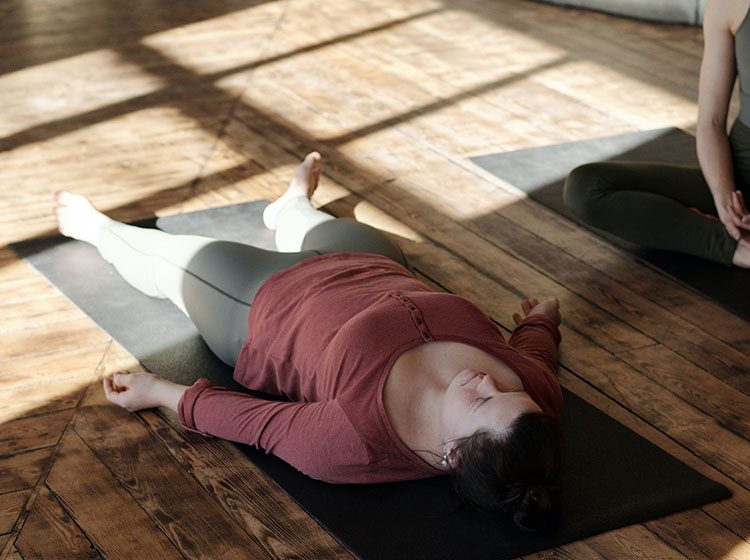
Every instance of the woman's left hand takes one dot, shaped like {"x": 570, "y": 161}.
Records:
{"x": 736, "y": 213}
{"x": 136, "y": 391}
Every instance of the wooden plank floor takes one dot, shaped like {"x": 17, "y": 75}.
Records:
{"x": 162, "y": 107}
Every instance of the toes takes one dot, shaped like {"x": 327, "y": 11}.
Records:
{"x": 61, "y": 197}
{"x": 67, "y": 198}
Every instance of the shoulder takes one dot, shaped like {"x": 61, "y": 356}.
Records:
{"x": 337, "y": 451}
{"x": 725, "y": 15}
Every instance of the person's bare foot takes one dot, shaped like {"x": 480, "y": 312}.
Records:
{"x": 304, "y": 183}
{"x": 77, "y": 217}
{"x": 742, "y": 253}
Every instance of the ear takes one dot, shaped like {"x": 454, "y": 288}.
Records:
{"x": 453, "y": 458}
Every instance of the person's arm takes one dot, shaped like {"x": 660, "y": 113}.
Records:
{"x": 317, "y": 438}
{"x": 717, "y": 76}
{"x": 536, "y": 334}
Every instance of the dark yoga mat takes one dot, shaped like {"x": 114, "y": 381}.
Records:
{"x": 611, "y": 476}
{"x": 541, "y": 172}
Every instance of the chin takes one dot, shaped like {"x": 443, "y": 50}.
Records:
{"x": 465, "y": 376}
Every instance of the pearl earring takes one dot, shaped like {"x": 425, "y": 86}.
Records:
{"x": 444, "y": 462}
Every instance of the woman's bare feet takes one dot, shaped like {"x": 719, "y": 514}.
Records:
{"x": 77, "y": 217}
{"x": 742, "y": 253}
{"x": 304, "y": 183}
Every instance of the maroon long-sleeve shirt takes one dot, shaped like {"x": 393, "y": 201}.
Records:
{"x": 325, "y": 334}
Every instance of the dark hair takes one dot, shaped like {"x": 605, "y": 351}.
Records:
{"x": 516, "y": 471}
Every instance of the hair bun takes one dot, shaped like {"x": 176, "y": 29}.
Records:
{"x": 534, "y": 495}
{"x": 535, "y": 508}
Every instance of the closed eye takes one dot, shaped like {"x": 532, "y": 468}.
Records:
{"x": 479, "y": 402}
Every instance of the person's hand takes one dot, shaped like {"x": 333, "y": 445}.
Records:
{"x": 734, "y": 215}
{"x": 550, "y": 308}
{"x": 136, "y": 391}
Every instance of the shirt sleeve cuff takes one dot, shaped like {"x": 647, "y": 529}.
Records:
{"x": 186, "y": 405}
{"x": 545, "y": 321}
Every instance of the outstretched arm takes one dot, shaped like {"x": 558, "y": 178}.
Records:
{"x": 314, "y": 437}
{"x": 536, "y": 334}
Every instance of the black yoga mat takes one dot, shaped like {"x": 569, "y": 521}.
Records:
{"x": 611, "y": 476}
{"x": 541, "y": 173}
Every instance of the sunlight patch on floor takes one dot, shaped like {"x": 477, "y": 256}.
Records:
{"x": 67, "y": 88}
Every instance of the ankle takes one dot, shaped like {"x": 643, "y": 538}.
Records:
{"x": 99, "y": 228}
{"x": 741, "y": 256}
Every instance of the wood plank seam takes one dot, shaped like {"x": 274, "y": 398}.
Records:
{"x": 617, "y": 353}
{"x": 26, "y": 450}
{"x": 73, "y": 519}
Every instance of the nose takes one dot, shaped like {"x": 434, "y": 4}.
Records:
{"x": 486, "y": 385}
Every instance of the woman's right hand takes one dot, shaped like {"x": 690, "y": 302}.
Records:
{"x": 734, "y": 215}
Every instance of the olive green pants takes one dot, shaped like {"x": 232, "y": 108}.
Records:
{"x": 214, "y": 282}
{"x": 650, "y": 203}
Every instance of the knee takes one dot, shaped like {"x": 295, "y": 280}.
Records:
{"x": 582, "y": 191}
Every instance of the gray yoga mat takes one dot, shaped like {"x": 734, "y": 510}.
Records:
{"x": 665, "y": 11}
{"x": 611, "y": 476}
{"x": 541, "y": 172}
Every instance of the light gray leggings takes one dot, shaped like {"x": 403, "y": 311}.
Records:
{"x": 214, "y": 282}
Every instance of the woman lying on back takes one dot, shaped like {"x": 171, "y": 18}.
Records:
{"x": 386, "y": 379}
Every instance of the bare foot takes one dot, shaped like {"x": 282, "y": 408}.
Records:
{"x": 304, "y": 183}
{"x": 742, "y": 253}
{"x": 77, "y": 217}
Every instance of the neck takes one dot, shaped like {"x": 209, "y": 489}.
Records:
{"x": 420, "y": 401}
{"x": 429, "y": 441}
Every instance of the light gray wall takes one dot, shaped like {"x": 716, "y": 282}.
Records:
{"x": 668, "y": 11}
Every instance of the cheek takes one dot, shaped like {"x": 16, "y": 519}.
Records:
{"x": 457, "y": 405}
{"x": 452, "y": 405}
{"x": 460, "y": 396}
